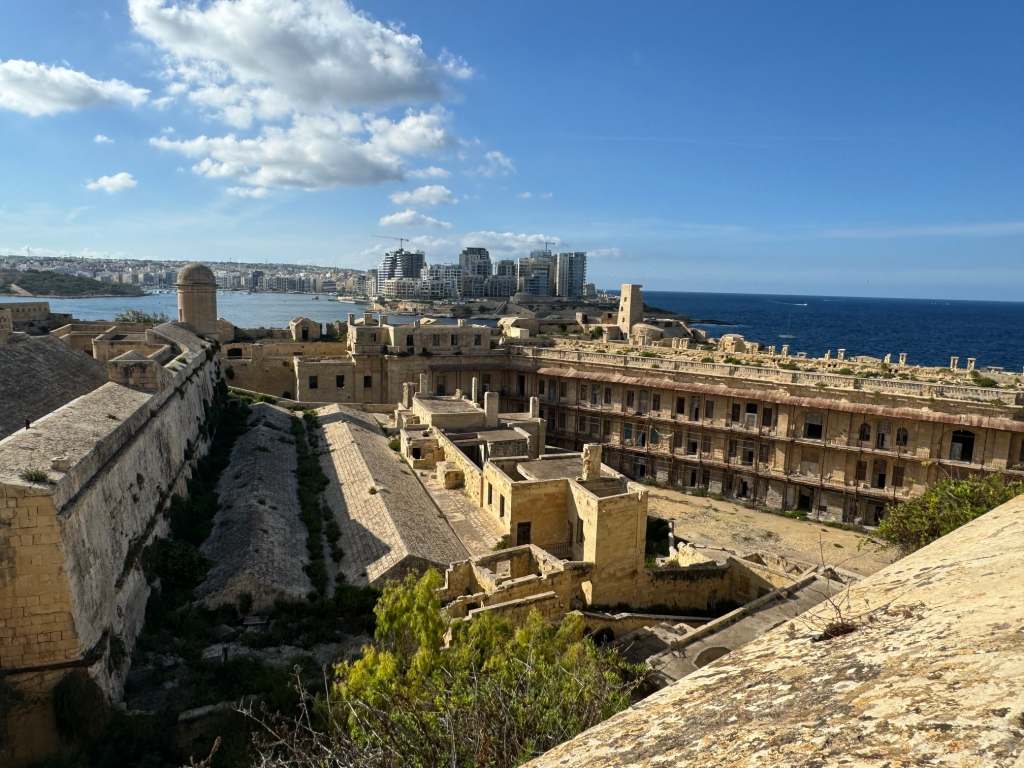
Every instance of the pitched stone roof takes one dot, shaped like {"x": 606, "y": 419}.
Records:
{"x": 394, "y": 528}
{"x": 40, "y": 374}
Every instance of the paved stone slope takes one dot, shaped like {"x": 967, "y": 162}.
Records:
{"x": 932, "y": 675}
{"x": 389, "y": 523}
{"x": 40, "y": 374}
{"x": 258, "y": 542}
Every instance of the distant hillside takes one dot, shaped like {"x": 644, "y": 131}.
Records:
{"x": 56, "y": 284}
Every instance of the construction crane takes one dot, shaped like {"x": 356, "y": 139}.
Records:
{"x": 401, "y": 240}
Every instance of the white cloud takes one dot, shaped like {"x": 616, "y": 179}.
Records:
{"x": 275, "y": 56}
{"x": 546, "y": 195}
{"x": 507, "y": 243}
{"x": 99, "y": 138}
{"x": 111, "y": 184}
{"x": 496, "y": 164}
{"x": 430, "y": 172}
{"x": 315, "y": 152}
{"x": 432, "y": 194}
{"x": 605, "y": 253}
{"x": 411, "y": 218}
{"x": 254, "y": 192}
{"x": 525, "y": 195}
{"x": 40, "y": 89}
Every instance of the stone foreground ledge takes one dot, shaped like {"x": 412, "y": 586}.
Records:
{"x": 933, "y": 675}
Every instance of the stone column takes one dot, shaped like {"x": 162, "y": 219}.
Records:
{"x": 954, "y": 363}
{"x": 591, "y": 461}
{"x": 475, "y": 390}
{"x": 903, "y": 358}
{"x": 840, "y": 354}
{"x": 888, "y": 358}
{"x": 971, "y": 361}
{"x": 407, "y": 390}
{"x": 490, "y": 410}
{"x": 534, "y": 407}
{"x": 423, "y": 384}
{"x": 785, "y": 350}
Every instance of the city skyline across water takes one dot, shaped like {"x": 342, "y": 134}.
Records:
{"x": 929, "y": 330}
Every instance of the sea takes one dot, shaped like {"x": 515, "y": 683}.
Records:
{"x": 928, "y": 330}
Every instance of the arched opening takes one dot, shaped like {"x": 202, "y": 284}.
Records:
{"x": 961, "y": 448}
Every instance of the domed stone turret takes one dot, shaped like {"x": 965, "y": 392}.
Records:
{"x": 197, "y": 299}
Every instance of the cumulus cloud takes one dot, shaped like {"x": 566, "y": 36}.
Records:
{"x": 265, "y": 56}
{"x": 496, "y": 164}
{"x": 507, "y": 243}
{"x": 432, "y": 194}
{"x": 99, "y": 138}
{"x": 315, "y": 152}
{"x": 111, "y": 184}
{"x": 412, "y": 218}
{"x": 40, "y": 89}
{"x": 430, "y": 172}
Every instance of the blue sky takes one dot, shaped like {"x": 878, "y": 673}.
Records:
{"x": 843, "y": 148}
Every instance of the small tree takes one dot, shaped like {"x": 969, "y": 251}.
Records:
{"x": 944, "y": 507}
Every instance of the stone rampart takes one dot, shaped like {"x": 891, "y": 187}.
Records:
{"x": 81, "y": 494}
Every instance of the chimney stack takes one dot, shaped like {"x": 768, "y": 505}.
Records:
{"x": 591, "y": 461}
{"x": 490, "y": 410}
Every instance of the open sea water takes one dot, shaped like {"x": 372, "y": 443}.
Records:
{"x": 929, "y": 330}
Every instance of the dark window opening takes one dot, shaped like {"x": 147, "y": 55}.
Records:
{"x": 313, "y": 383}
{"x": 522, "y": 530}
{"x": 367, "y": 382}
{"x": 864, "y": 433}
{"x": 812, "y": 426}
{"x": 902, "y": 437}
{"x": 236, "y": 352}
{"x": 962, "y": 446}
{"x": 339, "y": 382}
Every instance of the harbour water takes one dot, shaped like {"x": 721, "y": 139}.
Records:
{"x": 929, "y": 330}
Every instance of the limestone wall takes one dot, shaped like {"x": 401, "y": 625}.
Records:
{"x": 71, "y": 583}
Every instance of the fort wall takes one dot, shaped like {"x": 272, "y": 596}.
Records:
{"x": 72, "y": 590}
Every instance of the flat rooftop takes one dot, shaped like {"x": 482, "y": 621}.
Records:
{"x": 446, "y": 405}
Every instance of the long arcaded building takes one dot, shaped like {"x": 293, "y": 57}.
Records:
{"x": 829, "y": 437}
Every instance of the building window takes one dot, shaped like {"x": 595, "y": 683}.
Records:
{"x": 705, "y": 445}
{"x": 630, "y": 398}
{"x": 339, "y": 382}
{"x": 695, "y": 409}
{"x": 691, "y": 446}
{"x": 735, "y": 414}
{"x": 655, "y": 436}
{"x": 732, "y": 449}
{"x": 769, "y": 417}
{"x": 583, "y": 393}
{"x": 367, "y": 382}
{"x": 627, "y": 433}
{"x": 655, "y": 402}
{"x": 455, "y": 340}
{"x": 764, "y": 453}
{"x": 862, "y": 472}
{"x": 606, "y": 429}
{"x": 235, "y": 352}
{"x": 501, "y": 513}
{"x": 561, "y": 420}
{"x": 607, "y": 395}
{"x": 490, "y": 494}
{"x": 579, "y": 531}
{"x": 595, "y": 393}
{"x": 540, "y": 386}
{"x": 522, "y": 532}
{"x": 562, "y": 390}
{"x": 812, "y": 426}
{"x": 961, "y": 448}
{"x": 645, "y": 399}
{"x": 902, "y": 437}
{"x": 476, "y": 339}
{"x": 864, "y": 433}
{"x": 313, "y": 383}
{"x": 897, "y": 476}
{"x": 436, "y": 339}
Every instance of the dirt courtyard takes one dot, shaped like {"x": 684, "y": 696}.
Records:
{"x": 710, "y": 522}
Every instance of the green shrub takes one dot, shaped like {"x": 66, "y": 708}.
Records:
{"x": 944, "y": 507}
{"x": 34, "y": 476}
{"x": 395, "y": 444}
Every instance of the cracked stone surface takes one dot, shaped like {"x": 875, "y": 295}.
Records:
{"x": 933, "y": 675}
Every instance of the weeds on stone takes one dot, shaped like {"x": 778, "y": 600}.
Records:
{"x": 35, "y": 476}
{"x": 311, "y": 483}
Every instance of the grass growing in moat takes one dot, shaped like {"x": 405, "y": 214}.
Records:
{"x": 312, "y": 482}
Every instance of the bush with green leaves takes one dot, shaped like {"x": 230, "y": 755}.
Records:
{"x": 944, "y": 507}
{"x": 496, "y": 695}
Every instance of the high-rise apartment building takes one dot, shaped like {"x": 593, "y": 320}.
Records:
{"x": 536, "y": 274}
{"x": 570, "y": 274}
{"x": 401, "y": 263}
{"x": 476, "y": 269}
